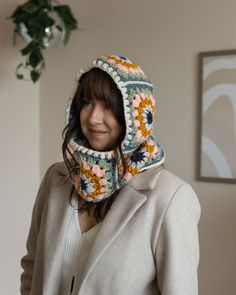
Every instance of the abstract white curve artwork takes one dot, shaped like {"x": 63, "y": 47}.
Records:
{"x": 217, "y": 128}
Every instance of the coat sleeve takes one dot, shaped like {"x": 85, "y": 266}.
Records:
{"x": 27, "y": 262}
{"x": 177, "y": 249}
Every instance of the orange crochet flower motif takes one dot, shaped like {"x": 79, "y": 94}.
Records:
{"x": 125, "y": 65}
{"x": 151, "y": 148}
{"x": 130, "y": 170}
{"x": 138, "y": 160}
{"x": 144, "y": 111}
{"x": 91, "y": 183}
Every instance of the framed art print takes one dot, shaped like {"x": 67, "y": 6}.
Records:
{"x": 217, "y": 116}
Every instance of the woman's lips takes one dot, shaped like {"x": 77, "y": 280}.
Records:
{"x": 97, "y": 133}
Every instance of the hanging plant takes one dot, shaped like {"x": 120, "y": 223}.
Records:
{"x": 42, "y": 24}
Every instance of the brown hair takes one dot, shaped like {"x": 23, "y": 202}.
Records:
{"x": 94, "y": 83}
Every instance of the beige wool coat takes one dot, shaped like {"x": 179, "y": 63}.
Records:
{"x": 146, "y": 245}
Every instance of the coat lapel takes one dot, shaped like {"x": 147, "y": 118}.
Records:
{"x": 55, "y": 237}
{"x": 126, "y": 204}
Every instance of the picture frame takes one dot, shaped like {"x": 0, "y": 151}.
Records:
{"x": 216, "y": 160}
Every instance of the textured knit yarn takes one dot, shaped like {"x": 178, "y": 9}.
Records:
{"x": 99, "y": 174}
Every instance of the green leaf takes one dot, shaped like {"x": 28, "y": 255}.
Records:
{"x": 46, "y": 20}
{"x": 35, "y": 75}
{"x": 45, "y": 3}
{"x": 35, "y": 31}
{"x": 26, "y": 50}
{"x": 66, "y": 15}
{"x": 30, "y": 7}
{"x": 59, "y": 28}
{"x": 68, "y": 19}
{"x": 18, "y": 74}
{"x": 21, "y": 18}
{"x": 36, "y": 26}
{"x": 35, "y": 58}
{"x": 16, "y": 12}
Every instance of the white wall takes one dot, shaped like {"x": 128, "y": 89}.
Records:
{"x": 19, "y": 155}
{"x": 164, "y": 37}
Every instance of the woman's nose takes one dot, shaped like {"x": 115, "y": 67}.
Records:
{"x": 96, "y": 115}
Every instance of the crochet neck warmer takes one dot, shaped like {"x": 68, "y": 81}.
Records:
{"x": 99, "y": 174}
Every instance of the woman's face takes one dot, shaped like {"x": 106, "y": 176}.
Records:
{"x": 99, "y": 125}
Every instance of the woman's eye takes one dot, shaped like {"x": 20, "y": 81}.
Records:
{"x": 87, "y": 102}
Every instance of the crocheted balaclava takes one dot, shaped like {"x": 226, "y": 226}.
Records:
{"x": 99, "y": 174}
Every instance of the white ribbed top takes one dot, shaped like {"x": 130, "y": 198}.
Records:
{"x": 76, "y": 243}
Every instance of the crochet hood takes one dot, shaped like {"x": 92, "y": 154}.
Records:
{"x": 140, "y": 147}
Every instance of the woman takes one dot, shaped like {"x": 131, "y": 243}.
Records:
{"x": 110, "y": 219}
